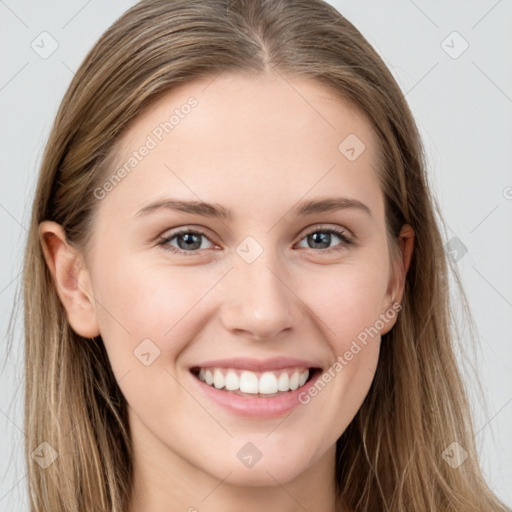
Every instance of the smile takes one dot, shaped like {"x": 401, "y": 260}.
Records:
{"x": 257, "y": 388}
{"x": 264, "y": 383}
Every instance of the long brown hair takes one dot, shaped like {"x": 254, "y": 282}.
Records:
{"x": 390, "y": 456}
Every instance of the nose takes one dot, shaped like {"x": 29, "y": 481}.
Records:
{"x": 260, "y": 303}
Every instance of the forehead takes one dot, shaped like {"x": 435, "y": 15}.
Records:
{"x": 247, "y": 140}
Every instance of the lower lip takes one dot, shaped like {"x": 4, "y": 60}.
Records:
{"x": 270, "y": 407}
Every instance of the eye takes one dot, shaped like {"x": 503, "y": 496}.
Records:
{"x": 320, "y": 236}
{"x": 189, "y": 241}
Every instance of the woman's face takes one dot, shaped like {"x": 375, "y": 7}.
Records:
{"x": 257, "y": 291}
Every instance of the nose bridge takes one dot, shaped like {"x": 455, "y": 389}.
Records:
{"x": 260, "y": 301}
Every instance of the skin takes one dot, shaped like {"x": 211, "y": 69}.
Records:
{"x": 258, "y": 146}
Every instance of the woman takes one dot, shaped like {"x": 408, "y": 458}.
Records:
{"x": 188, "y": 345}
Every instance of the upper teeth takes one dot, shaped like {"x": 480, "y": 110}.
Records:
{"x": 246, "y": 381}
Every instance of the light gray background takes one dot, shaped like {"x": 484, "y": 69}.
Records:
{"x": 463, "y": 107}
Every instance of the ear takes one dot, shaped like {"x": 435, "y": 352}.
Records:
{"x": 71, "y": 279}
{"x": 397, "y": 284}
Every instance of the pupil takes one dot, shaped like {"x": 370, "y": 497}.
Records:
{"x": 187, "y": 245}
{"x": 325, "y": 236}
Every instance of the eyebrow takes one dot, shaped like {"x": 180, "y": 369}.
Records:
{"x": 218, "y": 211}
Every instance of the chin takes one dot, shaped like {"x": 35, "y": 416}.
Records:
{"x": 262, "y": 475}
{"x": 264, "y": 462}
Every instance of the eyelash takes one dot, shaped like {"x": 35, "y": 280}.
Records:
{"x": 345, "y": 241}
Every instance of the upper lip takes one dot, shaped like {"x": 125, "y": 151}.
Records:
{"x": 258, "y": 365}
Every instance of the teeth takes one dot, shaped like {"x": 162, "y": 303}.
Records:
{"x": 232, "y": 381}
{"x": 268, "y": 383}
{"x": 294, "y": 381}
{"x": 265, "y": 383}
{"x": 283, "y": 384}
{"x": 248, "y": 382}
{"x": 208, "y": 377}
{"x": 218, "y": 379}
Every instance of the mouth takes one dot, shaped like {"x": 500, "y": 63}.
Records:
{"x": 256, "y": 384}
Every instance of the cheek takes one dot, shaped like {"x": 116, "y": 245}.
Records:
{"x": 346, "y": 300}
{"x": 148, "y": 302}
{"x": 347, "y": 305}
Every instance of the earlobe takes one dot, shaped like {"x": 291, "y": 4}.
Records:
{"x": 71, "y": 279}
